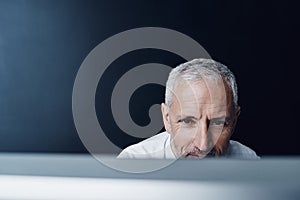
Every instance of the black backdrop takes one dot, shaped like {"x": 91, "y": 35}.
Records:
{"x": 43, "y": 43}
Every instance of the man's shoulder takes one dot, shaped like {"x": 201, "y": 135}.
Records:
{"x": 152, "y": 147}
{"x": 240, "y": 151}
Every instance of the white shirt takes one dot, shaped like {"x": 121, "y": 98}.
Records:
{"x": 158, "y": 147}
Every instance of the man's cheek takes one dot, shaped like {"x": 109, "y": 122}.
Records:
{"x": 183, "y": 139}
{"x": 186, "y": 136}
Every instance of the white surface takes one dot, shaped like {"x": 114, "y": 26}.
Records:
{"x": 30, "y": 187}
{"x": 65, "y": 176}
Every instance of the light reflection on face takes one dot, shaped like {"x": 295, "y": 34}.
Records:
{"x": 200, "y": 119}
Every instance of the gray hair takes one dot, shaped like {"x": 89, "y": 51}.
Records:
{"x": 194, "y": 70}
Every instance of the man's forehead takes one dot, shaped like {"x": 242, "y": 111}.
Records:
{"x": 201, "y": 97}
{"x": 197, "y": 100}
{"x": 204, "y": 93}
{"x": 212, "y": 87}
{"x": 203, "y": 108}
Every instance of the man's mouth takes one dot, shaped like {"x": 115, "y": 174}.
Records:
{"x": 199, "y": 154}
{"x": 194, "y": 154}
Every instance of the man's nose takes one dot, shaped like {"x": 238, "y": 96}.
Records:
{"x": 202, "y": 138}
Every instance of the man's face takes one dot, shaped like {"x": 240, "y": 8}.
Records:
{"x": 201, "y": 118}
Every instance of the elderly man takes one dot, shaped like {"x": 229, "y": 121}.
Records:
{"x": 199, "y": 114}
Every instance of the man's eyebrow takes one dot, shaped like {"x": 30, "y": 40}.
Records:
{"x": 195, "y": 118}
{"x": 186, "y": 117}
{"x": 218, "y": 118}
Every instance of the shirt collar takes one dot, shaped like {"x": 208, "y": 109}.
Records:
{"x": 168, "y": 150}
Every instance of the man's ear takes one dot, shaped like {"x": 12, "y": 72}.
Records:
{"x": 166, "y": 117}
{"x": 235, "y": 118}
{"x": 238, "y": 112}
{"x": 236, "y": 115}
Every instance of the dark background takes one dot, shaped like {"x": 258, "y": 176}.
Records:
{"x": 43, "y": 43}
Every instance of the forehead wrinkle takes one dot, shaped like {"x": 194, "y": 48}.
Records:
{"x": 190, "y": 96}
{"x": 196, "y": 107}
{"x": 197, "y": 114}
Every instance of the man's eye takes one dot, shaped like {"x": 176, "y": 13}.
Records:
{"x": 187, "y": 121}
{"x": 218, "y": 122}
